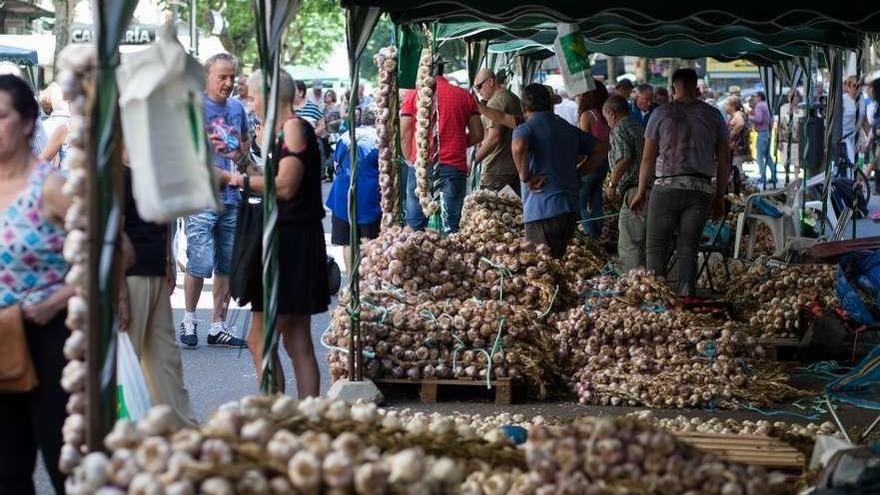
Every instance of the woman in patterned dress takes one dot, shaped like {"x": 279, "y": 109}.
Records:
{"x": 32, "y": 270}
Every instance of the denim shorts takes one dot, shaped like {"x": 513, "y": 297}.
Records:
{"x": 210, "y": 237}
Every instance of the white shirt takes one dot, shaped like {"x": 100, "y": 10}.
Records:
{"x": 568, "y": 110}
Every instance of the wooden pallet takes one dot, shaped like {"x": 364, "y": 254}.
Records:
{"x": 772, "y": 346}
{"x": 502, "y": 388}
{"x": 758, "y": 450}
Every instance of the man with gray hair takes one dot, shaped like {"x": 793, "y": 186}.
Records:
{"x": 624, "y": 155}
{"x": 210, "y": 235}
{"x": 643, "y": 104}
{"x": 494, "y": 152}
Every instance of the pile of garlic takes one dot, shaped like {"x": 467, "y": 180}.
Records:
{"x": 488, "y": 216}
{"x": 771, "y": 298}
{"x": 76, "y": 65}
{"x": 684, "y": 424}
{"x": 386, "y": 130}
{"x": 278, "y": 445}
{"x": 624, "y": 456}
{"x": 266, "y": 445}
{"x": 452, "y": 338}
{"x": 449, "y": 307}
{"x": 630, "y": 344}
{"x": 425, "y": 104}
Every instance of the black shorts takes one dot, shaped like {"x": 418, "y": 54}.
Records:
{"x": 340, "y": 234}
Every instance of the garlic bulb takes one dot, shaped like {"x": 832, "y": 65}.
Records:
{"x": 123, "y": 435}
{"x": 216, "y": 486}
{"x": 406, "y": 466}
{"x": 158, "y": 421}
{"x": 153, "y": 454}
{"x": 304, "y": 471}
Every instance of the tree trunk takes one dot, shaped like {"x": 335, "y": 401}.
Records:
{"x": 63, "y": 17}
{"x": 612, "y": 68}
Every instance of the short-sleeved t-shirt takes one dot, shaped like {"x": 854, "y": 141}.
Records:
{"x": 687, "y": 135}
{"x": 554, "y": 146}
{"x": 499, "y": 163}
{"x": 227, "y": 117}
{"x": 455, "y": 106}
{"x": 626, "y": 143}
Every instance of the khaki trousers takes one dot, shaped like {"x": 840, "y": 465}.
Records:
{"x": 152, "y": 335}
{"x": 631, "y": 227}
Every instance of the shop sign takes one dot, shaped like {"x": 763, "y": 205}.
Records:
{"x": 136, "y": 34}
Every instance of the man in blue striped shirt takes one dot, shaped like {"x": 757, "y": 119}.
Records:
{"x": 308, "y": 110}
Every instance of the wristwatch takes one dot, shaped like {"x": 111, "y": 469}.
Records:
{"x": 247, "y": 181}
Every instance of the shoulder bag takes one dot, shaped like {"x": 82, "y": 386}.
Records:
{"x": 17, "y": 372}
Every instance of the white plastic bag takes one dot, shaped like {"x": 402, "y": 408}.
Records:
{"x": 160, "y": 100}
{"x": 132, "y": 398}
{"x": 574, "y": 60}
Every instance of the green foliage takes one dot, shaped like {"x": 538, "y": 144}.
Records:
{"x": 318, "y": 28}
{"x": 310, "y": 38}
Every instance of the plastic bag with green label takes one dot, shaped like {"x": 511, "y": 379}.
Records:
{"x": 574, "y": 59}
{"x": 132, "y": 396}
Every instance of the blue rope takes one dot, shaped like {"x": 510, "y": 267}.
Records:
{"x": 653, "y": 307}
{"x": 710, "y": 351}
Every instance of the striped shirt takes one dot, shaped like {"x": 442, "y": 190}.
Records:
{"x": 311, "y": 113}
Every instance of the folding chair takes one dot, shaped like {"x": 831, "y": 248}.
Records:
{"x": 715, "y": 245}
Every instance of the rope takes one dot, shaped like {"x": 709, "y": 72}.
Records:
{"x": 550, "y": 306}
{"x": 653, "y": 307}
{"x": 710, "y": 351}
{"x": 776, "y": 413}
{"x": 823, "y": 369}
{"x": 367, "y": 354}
{"x": 603, "y": 217}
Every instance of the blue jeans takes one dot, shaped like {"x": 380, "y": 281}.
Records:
{"x": 452, "y": 184}
{"x": 210, "y": 237}
{"x": 765, "y": 158}
{"x": 590, "y": 200}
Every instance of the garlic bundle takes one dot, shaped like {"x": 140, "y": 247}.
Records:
{"x": 386, "y": 129}
{"x": 317, "y": 447}
{"x": 623, "y": 456}
{"x": 488, "y": 216}
{"x": 425, "y": 105}
{"x": 76, "y": 64}
{"x": 771, "y": 298}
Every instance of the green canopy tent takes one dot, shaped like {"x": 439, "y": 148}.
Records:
{"x": 308, "y": 74}
{"x": 24, "y": 58}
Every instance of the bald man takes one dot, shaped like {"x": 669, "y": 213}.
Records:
{"x": 495, "y": 153}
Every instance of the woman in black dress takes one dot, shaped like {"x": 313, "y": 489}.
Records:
{"x": 302, "y": 253}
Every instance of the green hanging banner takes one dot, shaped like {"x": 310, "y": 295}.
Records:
{"x": 409, "y": 49}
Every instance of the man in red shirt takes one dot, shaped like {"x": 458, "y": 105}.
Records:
{"x": 459, "y": 129}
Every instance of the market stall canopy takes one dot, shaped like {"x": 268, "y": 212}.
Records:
{"x": 307, "y": 74}
{"x": 840, "y": 24}
{"x": 18, "y": 56}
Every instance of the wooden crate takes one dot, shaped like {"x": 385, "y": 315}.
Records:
{"x": 502, "y": 388}
{"x": 758, "y": 450}
{"x": 772, "y": 347}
